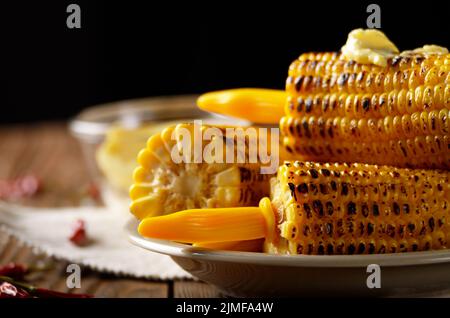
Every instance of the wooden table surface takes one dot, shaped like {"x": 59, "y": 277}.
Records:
{"x": 48, "y": 151}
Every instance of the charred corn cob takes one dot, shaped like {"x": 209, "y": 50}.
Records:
{"x": 340, "y": 110}
{"x": 163, "y": 186}
{"x": 359, "y": 209}
{"x": 329, "y": 209}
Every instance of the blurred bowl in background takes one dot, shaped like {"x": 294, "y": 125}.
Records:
{"x": 111, "y": 135}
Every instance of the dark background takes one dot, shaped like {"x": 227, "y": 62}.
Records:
{"x": 129, "y": 49}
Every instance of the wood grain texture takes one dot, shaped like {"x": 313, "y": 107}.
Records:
{"x": 48, "y": 151}
{"x": 184, "y": 289}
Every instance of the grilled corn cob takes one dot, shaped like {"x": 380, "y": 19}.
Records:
{"x": 340, "y": 110}
{"x": 329, "y": 209}
{"x": 162, "y": 186}
{"x": 360, "y": 208}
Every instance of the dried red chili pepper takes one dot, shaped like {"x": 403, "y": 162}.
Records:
{"x": 79, "y": 235}
{"x": 11, "y": 288}
{"x": 13, "y": 270}
{"x": 8, "y": 290}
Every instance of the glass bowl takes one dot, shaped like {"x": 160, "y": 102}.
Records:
{"x": 131, "y": 122}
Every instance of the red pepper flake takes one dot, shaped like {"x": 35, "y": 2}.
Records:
{"x": 29, "y": 185}
{"x": 22, "y": 187}
{"x": 14, "y": 271}
{"x": 79, "y": 235}
{"x": 93, "y": 191}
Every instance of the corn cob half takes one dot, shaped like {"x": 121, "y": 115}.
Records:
{"x": 340, "y": 110}
{"x": 359, "y": 209}
{"x": 328, "y": 209}
{"x": 163, "y": 186}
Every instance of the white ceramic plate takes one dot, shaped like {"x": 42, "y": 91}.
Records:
{"x": 258, "y": 274}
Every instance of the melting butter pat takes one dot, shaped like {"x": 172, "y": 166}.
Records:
{"x": 369, "y": 47}
{"x": 430, "y": 49}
